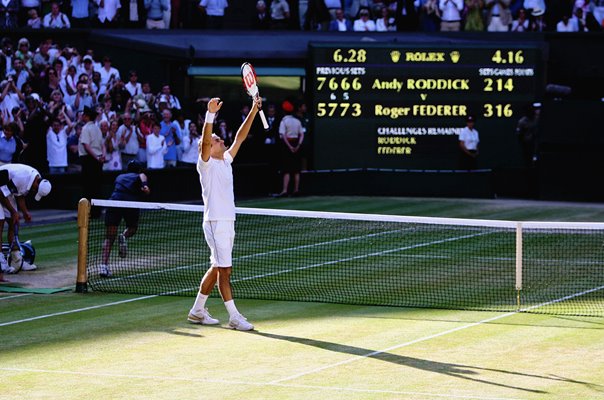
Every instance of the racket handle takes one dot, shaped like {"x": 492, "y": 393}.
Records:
{"x": 263, "y": 118}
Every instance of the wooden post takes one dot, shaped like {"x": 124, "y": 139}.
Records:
{"x": 83, "y": 220}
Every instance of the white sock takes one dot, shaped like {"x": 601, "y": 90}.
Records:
{"x": 200, "y": 302}
{"x": 230, "y": 306}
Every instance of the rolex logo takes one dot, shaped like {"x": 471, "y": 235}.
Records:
{"x": 455, "y": 56}
{"x": 395, "y": 55}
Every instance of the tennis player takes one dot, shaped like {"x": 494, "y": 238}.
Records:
{"x": 14, "y": 217}
{"x": 16, "y": 182}
{"x": 129, "y": 186}
{"x": 216, "y": 176}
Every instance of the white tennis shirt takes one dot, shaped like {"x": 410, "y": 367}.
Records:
{"x": 469, "y": 137}
{"x": 216, "y": 177}
{"x": 21, "y": 178}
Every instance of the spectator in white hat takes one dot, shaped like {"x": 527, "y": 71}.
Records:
{"x": 534, "y": 5}
{"x": 538, "y": 24}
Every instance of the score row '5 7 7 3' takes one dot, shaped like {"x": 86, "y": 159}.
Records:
{"x": 355, "y": 110}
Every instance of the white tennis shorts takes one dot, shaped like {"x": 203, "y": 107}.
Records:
{"x": 220, "y": 236}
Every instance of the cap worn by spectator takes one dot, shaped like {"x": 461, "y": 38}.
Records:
{"x": 471, "y": 118}
{"x": 44, "y": 188}
{"x": 87, "y": 57}
{"x": 141, "y": 105}
{"x": 537, "y": 12}
{"x": 35, "y": 96}
{"x": 536, "y": 105}
{"x": 287, "y": 106}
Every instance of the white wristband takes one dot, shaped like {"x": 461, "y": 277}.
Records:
{"x": 210, "y": 117}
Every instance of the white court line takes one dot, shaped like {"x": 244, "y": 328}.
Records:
{"x": 76, "y": 310}
{"x": 459, "y": 328}
{"x": 17, "y": 295}
{"x": 260, "y": 384}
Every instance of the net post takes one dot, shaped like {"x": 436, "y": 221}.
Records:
{"x": 518, "y": 263}
{"x": 83, "y": 220}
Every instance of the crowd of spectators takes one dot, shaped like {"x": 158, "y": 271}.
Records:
{"x": 321, "y": 15}
{"x": 48, "y": 90}
{"x": 45, "y": 90}
{"x": 456, "y": 15}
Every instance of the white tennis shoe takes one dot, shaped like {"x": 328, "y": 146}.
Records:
{"x": 3, "y": 263}
{"x": 123, "y": 246}
{"x": 28, "y": 267}
{"x": 202, "y": 318}
{"x": 104, "y": 271}
{"x": 239, "y": 322}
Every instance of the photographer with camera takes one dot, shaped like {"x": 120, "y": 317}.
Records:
{"x": 83, "y": 97}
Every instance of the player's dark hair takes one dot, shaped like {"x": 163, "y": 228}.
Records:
{"x": 135, "y": 166}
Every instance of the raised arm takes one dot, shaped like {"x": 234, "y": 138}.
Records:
{"x": 244, "y": 129}
{"x": 205, "y": 143}
{"x": 7, "y": 87}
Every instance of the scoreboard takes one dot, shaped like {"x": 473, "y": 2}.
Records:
{"x": 397, "y": 105}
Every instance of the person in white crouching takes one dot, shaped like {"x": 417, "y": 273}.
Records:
{"x": 16, "y": 182}
{"x": 216, "y": 176}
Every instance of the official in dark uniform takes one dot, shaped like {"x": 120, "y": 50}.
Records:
{"x": 130, "y": 186}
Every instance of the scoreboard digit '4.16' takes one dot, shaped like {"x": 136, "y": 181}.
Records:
{"x": 397, "y": 105}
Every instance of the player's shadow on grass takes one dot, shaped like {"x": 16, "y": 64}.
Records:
{"x": 467, "y": 372}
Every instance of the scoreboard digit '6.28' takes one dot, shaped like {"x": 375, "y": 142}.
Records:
{"x": 397, "y": 105}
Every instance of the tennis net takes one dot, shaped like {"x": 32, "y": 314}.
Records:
{"x": 544, "y": 267}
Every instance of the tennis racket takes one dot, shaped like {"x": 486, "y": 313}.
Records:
{"x": 250, "y": 83}
{"x": 15, "y": 244}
